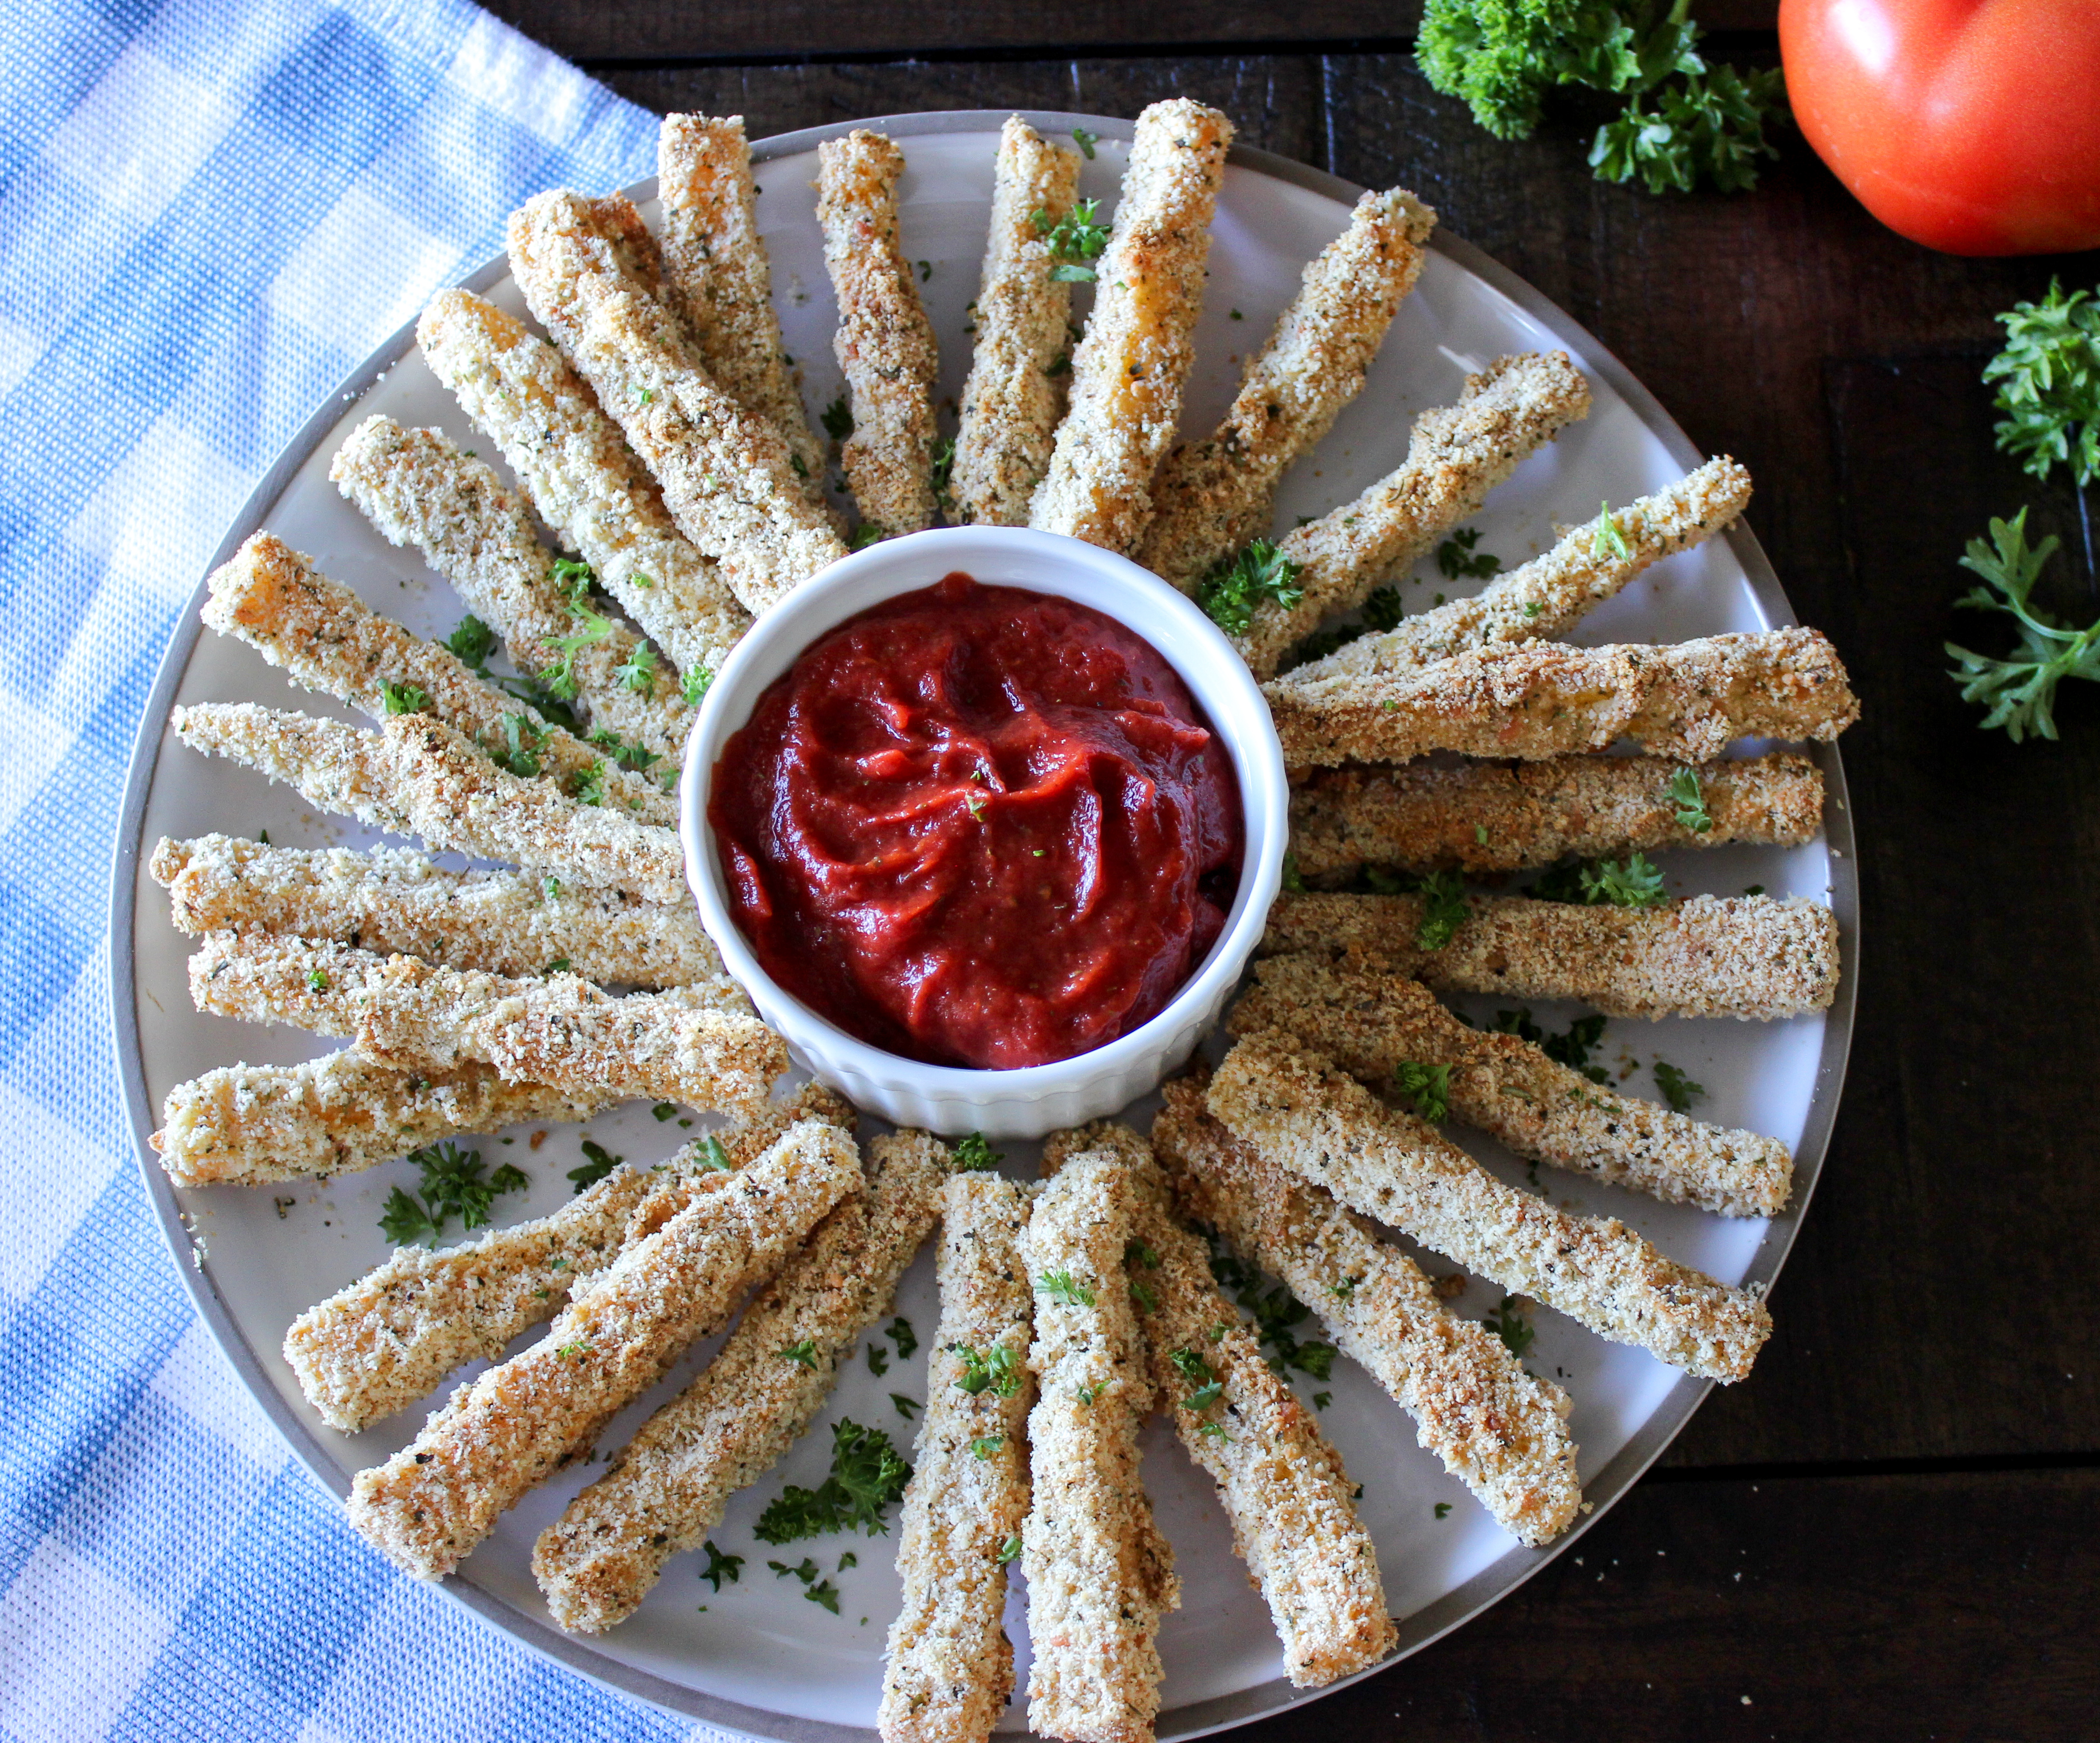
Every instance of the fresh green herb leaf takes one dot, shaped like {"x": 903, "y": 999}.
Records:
{"x": 973, "y": 1155}
{"x": 665, "y": 1110}
{"x": 473, "y": 642}
{"x": 1088, "y": 1392}
{"x": 849, "y": 1560}
{"x": 878, "y": 1360}
{"x": 801, "y": 466}
{"x": 1345, "y": 1288}
{"x": 944, "y": 470}
{"x": 1144, "y": 1295}
{"x": 1138, "y": 1253}
{"x": 637, "y": 671}
{"x": 576, "y": 579}
{"x": 1383, "y": 610}
{"x": 805, "y": 1572}
{"x": 1689, "y": 798}
{"x": 403, "y": 699}
{"x": 1572, "y": 1049}
{"x": 2049, "y": 384}
{"x": 404, "y": 1221}
{"x": 1293, "y": 882}
{"x": 1230, "y": 592}
{"x": 452, "y": 1184}
{"x": 1074, "y": 240}
{"x": 521, "y": 746}
{"x": 1443, "y": 1509}
{"x": 902, "y": 1335}
{"x": 1754, "y": 889}
{"x": 694, "y": 685}
{"x": 1508, "y": 1324}
{"x": 1275, "y": 1311}
{"x": 560, "y": 966}
{"x": 1213, "y": 1431}
{"x": 1605, "y": 538}
{"x": 1678, "y": 1089}
{"x": 1456, "y": 558}
{"x": 867, "y": 533}
{"x": 1060, "y": 364}
{"x": 866, "y": 1478}
{"x": 837, "y": 420}
{"x": 1009, "y": 1550}
{"x": 1205, "y": 1396}
{"x": 1087, "y": 141}
{"x": 712, "y": 1154}
{"x": 997, "y": 1369}
{"x": 1426, "y": 1088}
{"x": 925, "y": 270}
{"x": 1444, "y": 909}
{"x": 1636, "y": 884}
{"x": 2020, "y": 692}
{"x": 317, "y": 980}
{"x": 1063, "y": 1286}
{"x": 586, "y": 786}
{"x": 986, "y": 1445}
{"x": 599, "y": 1163}
{"x": 647, "y": 397}
{"x": 1712, "y": 126}
{"x": 551, "y": 888}
{"x": 570, "y": 1351}
{"x": 721, "y": 1567}
{"x": 905, "y": 1406}
{"x": 805, "y": 1352}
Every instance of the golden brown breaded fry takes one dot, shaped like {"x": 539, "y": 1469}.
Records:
{"x": 391, "y": 900}
{"x": 667, "y": 1488}
{"x": 950, "y": 1669}
{"x": 726, "y": 476}
{"x": 1012, "y": 403}
{"x": 417, "y": 487}
{"x": 326, "y": 638}
{"x": 576, "y": 470}
{"x": 1369, "y": 1021}
{"x": 433, "y": 1501}
{"x": 885, "y": 343}
{"x": 716, "y": 276}
{"x": 250, "y": 1124}
{"x": 1284, "y": 1488}
{"x": 1499, "y": 1429}
{"x": 1129, "y": 372}
{"x": 1292, "y": 1105}
{"x": 1686, "y": 699}
{"x": 1100, "y": 1574}
{"x": 559, "y": 1031}
{"x": 1212, "y": 496}
{"x": 1545, "y": 597}
{"x": 1509, "y": 816}
{"x": 1709, "y": 956}
{"x": 1456, "y": 455}
{"x": 334, "y": 767}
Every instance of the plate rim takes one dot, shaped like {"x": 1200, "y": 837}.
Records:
{"x": 1196, "y": 1718}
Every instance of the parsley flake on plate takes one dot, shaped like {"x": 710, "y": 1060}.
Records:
{"x": 866, "y": 1478}
{"x": 1230, "y": 592}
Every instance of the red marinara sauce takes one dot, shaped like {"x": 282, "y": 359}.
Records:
{"x": 979, "y": 826}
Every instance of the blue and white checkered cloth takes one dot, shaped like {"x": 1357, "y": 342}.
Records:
{"x": 210, "y": 211}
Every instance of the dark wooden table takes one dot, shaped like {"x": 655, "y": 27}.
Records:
{"x": 1890, "y": 1531}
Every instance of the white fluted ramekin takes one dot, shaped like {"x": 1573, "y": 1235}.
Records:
{"x": 1032, "y": 1100}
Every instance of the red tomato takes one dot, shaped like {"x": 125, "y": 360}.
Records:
{"x": 1969, "y": 125}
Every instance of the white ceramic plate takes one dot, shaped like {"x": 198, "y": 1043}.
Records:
{"x": 759, "y": 1658}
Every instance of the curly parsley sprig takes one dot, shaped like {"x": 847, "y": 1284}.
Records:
{"x": 1074, "y": 239}
{"x": 1231, "y": 590}
{"x": 2019, "y": 692}
{"x": 2049, "y": 384}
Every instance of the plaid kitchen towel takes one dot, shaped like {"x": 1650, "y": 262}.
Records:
{"x": 210, "y": 211}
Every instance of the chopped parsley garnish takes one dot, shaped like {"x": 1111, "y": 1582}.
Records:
{"x": 1200, "y": 1375}
{"x": 1510, "y": 1327}
{"x": 560, "y": 966}
{"x": 1444, "y": 909}
{"x": 944, "y": 469}
{"x": 1456, "y": 558}
{"x": 1294, "y": 881}
{"x": 1383, "y": 610}
{"x": 629, "y": 756}
{"x": 665, "y": 1110}
{"x": 1009, "y": 1550}
{"x": 878, "y": 1360}
{"x": 986, "y": 1445}
{"x": 1086, "y": 141}
{"x": 1144, "y": 1295}
{"x": 317, "y": 980}
{"x": 473, "y": 642}
{"x": 1678, "y": 1089}
{"x": 1088, "y": 1392}
{"x": 694, "y": 685}
{"x": 837, "y": 420}
{"x": 721, "y": 1567}
{"x": 1443, "y": 1509}
{"x": 2049, "y": 384}
{"x": 403, "y": 699}
{"x": 1137, "y": 1253}
{"x": 2020, "y": 692}
{"x": 1230, "y": 592}
{"x": 599, "y": 1163}
{"x": 996, "y": 1369}
{"x": 902, "y": 1335}
{"x": 1060, "y": 364}
{"x": 452, "y": 1186}
{"x": 1689, "y": 799}
{"x": 586, "y": 786}
{"x": 521, "y": 746}
{"x": 925, "y": 270}
{"x": 576, "y": 579}
{"x": 1074, "y": 240}
{"x": 637, "y": 671}
{"x": 1606, "y": 540}
{"x": 973, "y": 1154}
{"x": 1275, "y": 1311}
{"x": 867, "y": 1476}
{"x": 867, "y": 533}
{"x": 805, "y": 1352}
{"x": 1636, "y": 884}
{"x": 1425, "y": 1088}
{"x": 1063, "y": 1286}
{"x": 570, "y": 1351}
{"x": 709, "y": 1154}
{"x": 1572, "y": 1050}
{"x": 905, "y": 1406}
{"x": 1344, "y": 1289}
{"x": 1321, "y": 1399}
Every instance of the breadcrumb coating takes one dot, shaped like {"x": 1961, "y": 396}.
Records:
{"x": 1499, "y": 1429}
{"x": 1212, "y": 496}
{"x": 418, "y": 487}
{"x": 1686, "y": 699}
{"x": 576, "y": 470}
{"x": 1456, "y": 454}
{"x": 1099, "y": 1573}
{"x": 718, "y": 279}
{"x": 1012, "y": 403}
{"x": 949, "y": 1673}
{"x": 668, "y": 1488}
{"x": 1749, "y": 957}
{"x": 1547, "y": 596}
{"x": 1369, "y": 1021}
{"x": 1283, "y": 1486}
{"x": 393, "y": 902}
{"x": 325, "y": 638}
{"x": 1325, "y": 1127}
{"x": 885, "y": 343}
{"x": 1129, "y": 372}
{"x": 1514, "y": 817}
{"x": 727, "y": 477}
{"x": 496, "y": 1439}
{"x": 334, "y": 767}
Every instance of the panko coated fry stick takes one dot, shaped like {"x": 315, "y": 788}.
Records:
{"x": 250, "y": 1124}
{"x": 1100, "y": 1574}
{"x": 326, "y": 638}
{"x": 334, "y": 767}
{"x": 1499, "y": 1429}
{"x": 578, "y": 474}
{"x": 1547, "y": 596}
{"x": 1325, "y": 1127}
{"x": 559, "y": 1031}
{"x": 433, "y": 1501}
{"x": 1749, "y": 956}
{"x": 1511, "y": 817}
{"x": 1283, "y": 1486}
{"x": 716, "y": 276}
{"x": 1456, "y": 455}
{"x": 1213, "y": 496}
{"x": 727, "y": 477}
{"x": 1370, "y": 1021}
{"x": 1686, "y": 699}
{"x": 417, "y": 487}
{"x": 1129, "y": 372}
{"x": 668, "y": 1487}
{"x": 950, "y": 1673}
{"x": 885, "y": 343}
{"x": 392, "y": 900}
{"x": 1012, "y": 403}
{"x": 375, "y": 1347}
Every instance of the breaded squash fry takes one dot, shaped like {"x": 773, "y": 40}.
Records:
{"x": 1300, "y": 1113}
{"x": 334, "y": 767}
{"x": 1500, "y": 1430}
{"x": 581, "y": 478}
{"x": 885, "y": 343}
{"x": 1370, "y": 1021}
{"x": 1012, "y": 402}
{"x": 1100, "y": 1574}
{"x": 717, "y": 277}
{"x": 1455, "y": 455}
{"x": 1513, "y": 816}
{"x": 1749, "y": 957}
{"x": 668, "y": 1487}
{"x": 433, "y": 1501}
{"x": 1129, "y": 372}
{"x": 950, "y": 1670}
{"x": 1686, "y": 699}
{"x": 1212, "y": 496}
{"x": 727, "y": 477}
